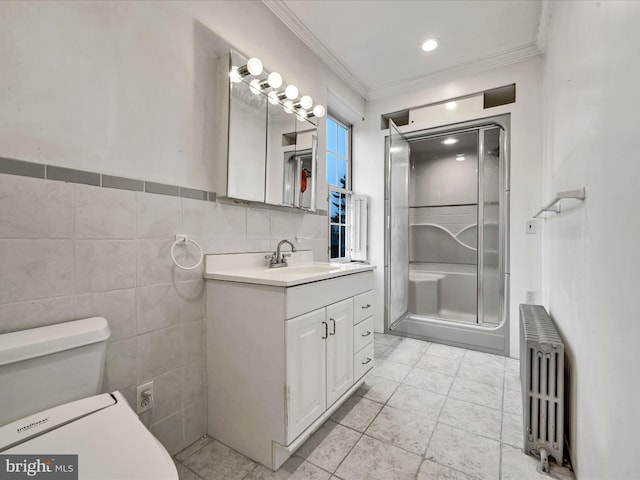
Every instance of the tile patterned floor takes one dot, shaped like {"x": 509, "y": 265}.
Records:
{"x": 426, "y": 412}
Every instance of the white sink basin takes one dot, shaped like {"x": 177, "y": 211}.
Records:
{"x": 296, "y": 274}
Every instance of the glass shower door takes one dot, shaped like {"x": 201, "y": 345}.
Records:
{"x": 489, "y": 233}
{"x": 398, "y": 221}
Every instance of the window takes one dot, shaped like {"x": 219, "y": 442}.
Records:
{"x": 338, "y": 146}
{"x": 339, "y": 180}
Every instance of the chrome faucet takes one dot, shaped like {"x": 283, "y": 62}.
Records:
{"x": 277, "y": 259}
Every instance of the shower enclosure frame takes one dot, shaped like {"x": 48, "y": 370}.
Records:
{"x": 491, "y": 339}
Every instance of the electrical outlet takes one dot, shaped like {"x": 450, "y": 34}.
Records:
{"x": 144, "y": 397}
{"x": 531, "y": 297}
{"x": 530, "y": 227}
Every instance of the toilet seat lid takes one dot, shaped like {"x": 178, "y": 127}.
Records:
{"x": 111, "y": 442}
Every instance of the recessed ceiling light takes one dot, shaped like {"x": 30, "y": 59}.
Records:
{"x": 430, "y": 45}
{"x": 451, "y": 105}
{"x": 460, "y": 157}
{"x": 450, "y": 141}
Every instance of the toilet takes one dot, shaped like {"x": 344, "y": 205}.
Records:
{"x": 50, "y": 378}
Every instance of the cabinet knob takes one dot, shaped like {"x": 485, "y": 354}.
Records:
{"x": 366, "y": 334}
{"x": 366, "y": 306}
{"x": 366, "y": 361}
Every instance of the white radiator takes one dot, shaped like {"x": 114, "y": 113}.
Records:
{"x": 542, "y": 377}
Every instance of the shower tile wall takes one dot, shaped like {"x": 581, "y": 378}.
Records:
{"x": 432, "y": 245}
{"x": 70, "y": 251}
{"x": 443, "y": 192}
{"x": 453, "y": 218}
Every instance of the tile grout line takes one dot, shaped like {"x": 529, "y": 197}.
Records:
{"x": 504, "y": 382}
{"x": 362, "y": 434}
{"x": 424, "y": 455}
{"x": 74, "y": 247}
{"x": 385, "y": 404}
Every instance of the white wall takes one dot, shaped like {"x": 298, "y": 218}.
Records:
{"x": 591, "y": 255}
{"x": 123, "y": 88}
{"x": 368, "y": 158}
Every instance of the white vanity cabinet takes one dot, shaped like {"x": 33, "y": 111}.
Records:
{"x": 319, "y": 363}
{"x": 362, "y": 334}
{"x": 280, "y": 360}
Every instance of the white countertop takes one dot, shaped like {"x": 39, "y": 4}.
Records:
{"x": 295, "y": 274}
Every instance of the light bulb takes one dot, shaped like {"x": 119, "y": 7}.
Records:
{"x": 234, "y": 75}
{"x": 273, "y": 98}
{"x": 306, "y": 102}
{"x": 288, "y": 106}
{"x": 275, "y": 80}
{"x": 319, "y": 111}
{"x": 430, "y": 45}
{"x": 302, "y": 115}
{"x": 254, "y": 66}
{"x": 254, "y": 86}
{"x": 291, "y": 91}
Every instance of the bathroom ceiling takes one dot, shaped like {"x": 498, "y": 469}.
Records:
{"x": 374, "y": 45}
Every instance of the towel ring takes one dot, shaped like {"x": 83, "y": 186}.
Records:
{"x": 183, "y": 239}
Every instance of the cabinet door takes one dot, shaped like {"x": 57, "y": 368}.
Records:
{"x": 306, "y": 371}
{"x": 339, "y": 349}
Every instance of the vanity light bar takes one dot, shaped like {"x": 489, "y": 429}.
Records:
{"x": 303, "y": 107}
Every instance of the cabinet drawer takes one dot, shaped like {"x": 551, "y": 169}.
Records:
{"x": 362, "y": 334}
{"x": 309, "y": 296}
{"x": 362, "y": 306}
{"x": 362, "y": 362}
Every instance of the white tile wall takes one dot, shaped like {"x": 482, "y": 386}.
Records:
{"x": 34, "y": 208}
{"x": 35, "y": 313}
{"x": 73, "y": 251}
{"x": 121, "y": 355}
{"x": 159, "y": 351}
{"x": 157, "y": 306}
{"x": 35, "y": 269}
{"x": 158, "y": 216}
{"x": 105, "y": 213}
{"x": 199, "y": 220}
{"x": 118, "y": 306}
{"x": 153, "y": 260}
{"x": 103, "y": 265}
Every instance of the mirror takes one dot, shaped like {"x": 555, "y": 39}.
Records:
{"x": 272, "y": 150}
{"x": 281, "y": 140}
{"x": 291, "y": 159}
{"x": 246, "y": 168}
{"x": 299, "y": 167}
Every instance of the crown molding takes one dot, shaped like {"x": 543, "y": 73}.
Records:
{"x": 509, "y": 57}
{"x": 293, "y": 23}
{"x": 519, "y": 54}
{"x": 543, "y": 24}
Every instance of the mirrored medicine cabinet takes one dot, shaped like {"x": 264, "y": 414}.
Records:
{"x": 266, "y": 153}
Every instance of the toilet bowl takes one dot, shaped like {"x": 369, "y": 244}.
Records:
{"x": 49, "y": 378}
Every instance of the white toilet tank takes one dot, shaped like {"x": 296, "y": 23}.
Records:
{"x": 44, "y": 367}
